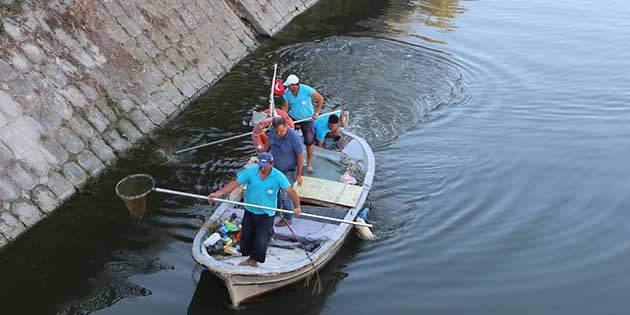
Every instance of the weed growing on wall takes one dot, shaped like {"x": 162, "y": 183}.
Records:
{"x": 11, "y": 5}
{"x": 6, "y": 6}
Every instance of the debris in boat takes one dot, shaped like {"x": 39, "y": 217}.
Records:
{"x": 213, "y": 239}
{"x": 363, "y": 213}
{"x": 310, "y": 246}
{"x": 225, "y": 238}
{"x": 230, "y": 250}
{"x": 346, "y": 178}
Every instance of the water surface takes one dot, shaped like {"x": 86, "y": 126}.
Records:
{"x": 500, "y": 129}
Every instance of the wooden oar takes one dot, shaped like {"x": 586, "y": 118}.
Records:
{"x": 245, "y": 134}
{"x": 168, "y": 191}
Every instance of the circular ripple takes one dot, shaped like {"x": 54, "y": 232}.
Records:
{"x": 388, "y": 86}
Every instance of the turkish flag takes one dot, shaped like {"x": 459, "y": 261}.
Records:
{"x": 278, "y": 88}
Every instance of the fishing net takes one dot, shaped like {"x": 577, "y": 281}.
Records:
{"x": 133, "y": 190}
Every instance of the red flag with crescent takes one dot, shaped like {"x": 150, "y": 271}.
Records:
{"x": 278, "y": 88}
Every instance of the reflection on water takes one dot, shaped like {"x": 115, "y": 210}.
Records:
{"x": 437, "y": 13}
{"x": 376, "y": 18}
{"x": 401, "y": 18}
{"x": 107, "y": 296}
{"x": 112, "y": 284}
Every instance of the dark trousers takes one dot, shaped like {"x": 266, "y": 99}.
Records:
{"x": 256, "y": 233}
{"x": 308, "y": 131}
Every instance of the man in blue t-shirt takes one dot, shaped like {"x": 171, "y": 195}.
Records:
{"x": 284, "y": 144}
{"x": 298, "y": 103}
{"x": 263, "y": 182}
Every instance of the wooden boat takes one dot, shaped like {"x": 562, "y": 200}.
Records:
{"x": 321, "y": 193}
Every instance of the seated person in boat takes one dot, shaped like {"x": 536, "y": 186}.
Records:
{"x": 328, "y": 128}
{"x": 263, "y": 182}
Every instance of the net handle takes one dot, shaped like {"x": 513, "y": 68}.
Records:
{"x": 168, "y": 191}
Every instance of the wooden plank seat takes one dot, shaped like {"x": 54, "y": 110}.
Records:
{"x": 328, "y": 192}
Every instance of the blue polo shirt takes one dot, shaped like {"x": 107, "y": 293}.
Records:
{"x": 262, "y": 192}
{"x": 321, "y": 127}
{"x": 285, "y": 150}
{"x": 300, "y": 106}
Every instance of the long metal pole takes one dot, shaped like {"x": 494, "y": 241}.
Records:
{"x": 214, "y": 142}
{"x": 320, "y": 116}
{"x": 168, "y": 191}
{"x": 245, "y": 134}
{"x": 273, "y": 85}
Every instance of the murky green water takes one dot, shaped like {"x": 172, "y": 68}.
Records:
{"x": 500, "y": 130}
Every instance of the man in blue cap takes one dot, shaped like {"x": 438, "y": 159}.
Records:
{"x": 263, "y": 182}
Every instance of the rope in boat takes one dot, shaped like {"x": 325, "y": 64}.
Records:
{"x": 317, "y": 288}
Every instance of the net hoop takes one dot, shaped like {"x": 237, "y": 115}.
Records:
{"x": 129, "y": 180}
{"x": 133, "y": 190}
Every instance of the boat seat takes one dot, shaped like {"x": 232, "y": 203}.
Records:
{"x": 305, "y": 229}
{"x": 328, "y": 192}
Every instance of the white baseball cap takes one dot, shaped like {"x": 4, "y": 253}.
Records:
{"x": 292, "y": 79}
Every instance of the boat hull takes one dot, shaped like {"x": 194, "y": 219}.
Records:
{"x": 246, "y": 283}
{"x": 244, "y": 287}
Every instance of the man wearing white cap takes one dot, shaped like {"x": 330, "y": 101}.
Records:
{"x": 298, "y": 103}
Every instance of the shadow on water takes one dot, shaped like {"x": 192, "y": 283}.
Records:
{"x": 112, "y": 283}
{"x": 86, "y": 252}
{"x": 90, "y": 255}
{"x": 80, "y": 259}
{"x": 501, "y": 205}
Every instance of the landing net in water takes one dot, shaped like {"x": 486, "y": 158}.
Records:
{"x": 133, "y": 190}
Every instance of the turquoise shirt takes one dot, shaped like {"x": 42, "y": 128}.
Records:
{"x": 300, "y": 106}
{"x": 262, "y": 192}
{"x": 321, "y": 127}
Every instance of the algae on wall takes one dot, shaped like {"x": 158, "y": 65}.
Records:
{"x": 7, "y": 6}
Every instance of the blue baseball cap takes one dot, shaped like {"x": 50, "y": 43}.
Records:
{"x": 265, "y": 159}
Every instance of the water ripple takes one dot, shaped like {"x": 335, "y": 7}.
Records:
{"x": 388, "y": 86}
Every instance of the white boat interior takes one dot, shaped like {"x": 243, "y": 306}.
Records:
{"x": 285, "y": 249}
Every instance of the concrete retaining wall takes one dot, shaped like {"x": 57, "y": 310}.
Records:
{"x": 81, "y": 81}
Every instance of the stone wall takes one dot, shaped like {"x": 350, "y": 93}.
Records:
{"x": 270, "y": 16}
{"x": 81, "y": 81}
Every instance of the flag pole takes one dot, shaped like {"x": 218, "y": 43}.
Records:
{"x": 272, "y": 109}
